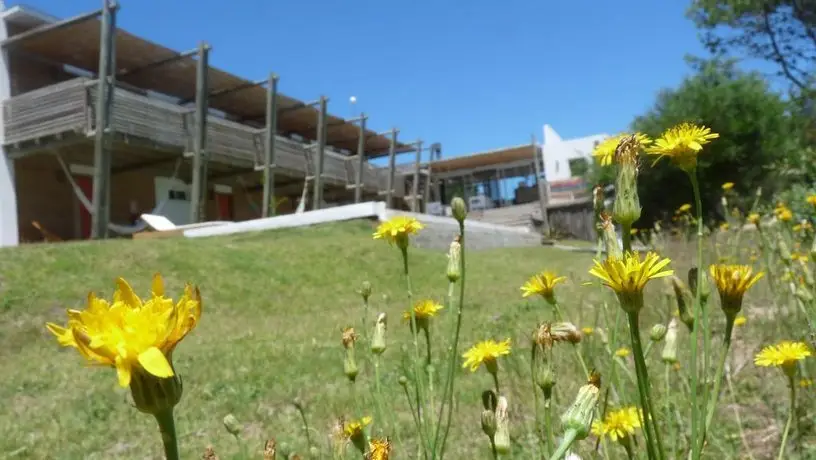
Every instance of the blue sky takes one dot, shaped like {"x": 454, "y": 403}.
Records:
{"x": 471, "y": 75}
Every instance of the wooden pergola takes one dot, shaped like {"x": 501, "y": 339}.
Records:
{"x": 117, "y": 58}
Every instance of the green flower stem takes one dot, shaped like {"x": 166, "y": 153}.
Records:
{"x": 791, "y": 415}
{"x": 451, "y": 377}
{"x": 306, "y": 429}
{"x": 626, "y": 236}
{"x": 430, "y": 370}
{"x": 167, "y": 427}
{"x": 653, "y": 443}
{"x": 737, "y": 416}
{"x": 379, "y": 399}
{"x": 364, "y": 321}
{"x": 729, "y": 329}
{"x": 695, "y": 407}
{"x": 560, "y": 317}
{"x": 669, "y": 424}
{"x": 417, "y": 371}
{"x": 566, "y": 442}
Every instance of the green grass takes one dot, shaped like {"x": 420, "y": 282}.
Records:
{"x": 274, "y": 305}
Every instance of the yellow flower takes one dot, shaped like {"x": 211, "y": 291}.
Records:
{"x": 629, "y": 275}
{"x": 397, "y": 230}
{"x": 379, "y": 449}
{"x": 804, "y": 383}
{"x": 424, "y": 310}
{"x": 605, "y": 151}
{"x": 740, "y": 321}
{"x": 732, "y": 281}
{"x": 811, "y": 199}
{"x": 543, "y": 285}
{"x": 784, "y": 214}
{"x": 633, "y": 231}
{"x": 724, "y": 227}
{"x": 587, "y": 330}
{"x": 486, "y": 352}
{"x": 354, "y": 428}
{"x": 684, "y": 208}
{"x": 785, "y": 354}
{"x": 129, "y": 334}
{"x": 618, "y": 424}
{"x": 682, "y": 143}
{"x": 753, "y": 218}
{"x": 622, "y": 352}
{"x": 727, "y": 186}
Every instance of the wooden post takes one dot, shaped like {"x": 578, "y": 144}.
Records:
{"x": 426, "y": 195}
{"x": 415, "y": 184}
{"x": 102, "y": 163}
{"x": 198, "y": 200}
{"x": 392, "y": 156}
{"x": 543, "y": 198}
{"x": 317, "y": 194}
{"x": 269, "y": 146}
{"x": 361, "y": 141}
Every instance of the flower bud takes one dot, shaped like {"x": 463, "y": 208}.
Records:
{"x": 454, "y": 261}
{"x": 578, "y": 417}
{"x": 682, "y": 306}
{"x": 402, "y": 380}
{"x": 350, "y": 365}
{"x": 782, "y": 248}
{"x": 378, "y": 338}
{"x": 813, "y": 249}
{"x": 501, "y": 440}
{"x": 154, "y": 395}
{"x": 459, "y": 209}
{"x": 545, "y": 379}
{"x": 804, "y": 294}
{"x": 232, "y": 425}
{"x": 314, "y": 452}
{"x": 209, "y": 454}
{"x": 669, "y": 355}
{"x": 706, "y": 287}
{"x": 658, "y": 332}
{"x": 489, "y": 423}
{"x": 365, "y": 290}
{"x": 807, "y": 274}
{"x": 613, "y": 248}
{"x": 270, "y": 450}
{"x": 626, "y": 209}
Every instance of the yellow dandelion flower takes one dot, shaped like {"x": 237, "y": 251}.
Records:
{"x": 682, "y": 143}
{"x": 423, "y": 311}
{"x": 811, "y": 199}
{"x": 724, "y": 227}
{"x": 587, "y": 330}
{"x": 727, "y": 186}
{"x": 633, "y": 231}
{"x": 605, "y": 151}
{"x": 784, "y": 214}
{"x": 804, "y": 383}
{"x": 618, "y": 424}
{"x": 379, "y": 449}
{"x": 628, "y": 276}
{"x": 753, "y": 218}
{"x": 397, "y": 230}
{"x": 622, "y": 352}
{"x": 486, "y": 352}
{"x": 354, "y": 428}
{"x": 732, "y": 281}
{"x": 542, "y": 284}
{"x": 129, "y": 334}
{"x": 740, "y": 321}
{"x": 785, "y": 354}
{"x": 685, "y": 207}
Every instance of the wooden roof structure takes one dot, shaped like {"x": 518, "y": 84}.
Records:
{"x": 150, "y": 66}
{"x": 484, "y": 159}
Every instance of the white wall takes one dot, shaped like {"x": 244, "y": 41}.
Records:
{"x": 9, "y": 231}
{"x": 557, "y": 152}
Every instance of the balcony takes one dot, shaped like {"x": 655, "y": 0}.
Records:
{"x": 66, "y": 111}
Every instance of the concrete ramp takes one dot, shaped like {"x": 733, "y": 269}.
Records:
{"x": 438, "y": 232}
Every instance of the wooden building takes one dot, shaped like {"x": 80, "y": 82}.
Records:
{"x": 100, "y": 126}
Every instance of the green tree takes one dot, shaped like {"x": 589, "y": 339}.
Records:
{"x": 757, "y": 132}
{"x": 782, "y": 32}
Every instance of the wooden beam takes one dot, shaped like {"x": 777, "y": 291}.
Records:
{"x": 317, "y": 194}
{"x": 198, "y": 200}
{"x": 45, "y": 28}
{"x": 434, "y": 150}
{"x": 142, "y": 165}
{"x": 361, "y": 142}
{"x": 415, "y": 184}
{"x": 543, "y": 198}
{"x": 104, "y": 96}
{"x": 392, "y": 156}
{"x": 269, "y": 146}
{"x": 225, "y": 91}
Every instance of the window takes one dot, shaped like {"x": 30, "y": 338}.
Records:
{"x": 578, "y": 166}
{"x": 178, "y": 195}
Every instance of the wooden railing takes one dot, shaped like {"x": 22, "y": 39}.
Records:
{"x": 69, "y": 107}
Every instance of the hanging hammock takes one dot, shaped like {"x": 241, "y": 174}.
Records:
{"x": 120, "y": 229}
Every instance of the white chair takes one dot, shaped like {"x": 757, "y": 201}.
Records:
{"x": 160, "y": 223}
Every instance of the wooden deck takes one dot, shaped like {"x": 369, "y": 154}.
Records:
{"x": 64, "y": 109}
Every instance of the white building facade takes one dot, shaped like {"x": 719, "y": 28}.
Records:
{"x": 567, "y": 159}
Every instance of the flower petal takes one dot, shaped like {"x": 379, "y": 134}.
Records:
{"x": 154, "y": 362}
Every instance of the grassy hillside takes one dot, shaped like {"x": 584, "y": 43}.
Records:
{"x": 274, "y": 305}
